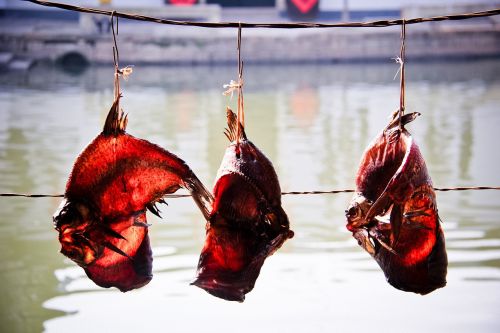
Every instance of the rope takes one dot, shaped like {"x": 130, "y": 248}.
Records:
{"x": 175, "y": 196}
{"x": 116, "y": 61}
{"x": 240, "y": 116}
{"x": 402, "y": 61}
{"x": 380, "y": 23}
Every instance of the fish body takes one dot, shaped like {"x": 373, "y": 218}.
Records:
{"x": 393, "y": 214}
{"x": 102, "y": 221}
{"x": 247, "y": 223}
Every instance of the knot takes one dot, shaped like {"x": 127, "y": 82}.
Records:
{"x": 400, "y": 62}
{"x": 125, "y": 72}
{"x": 232, "y": 86}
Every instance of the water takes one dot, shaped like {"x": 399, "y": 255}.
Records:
{"x": 313, "y": 122}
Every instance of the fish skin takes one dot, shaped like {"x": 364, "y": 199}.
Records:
{"x": 102, "y": 220}
{"x": 393, "y": 180}
{"x": 247, "y": 223}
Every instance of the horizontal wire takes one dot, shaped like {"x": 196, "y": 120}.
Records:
{"x": 174, "y": 196}
{"x": 380, "y": 23}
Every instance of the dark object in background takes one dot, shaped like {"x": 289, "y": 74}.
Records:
{"x": 182, "y": 2}
{"x": 102, "y": 220}
{"x": 247, "y": 223}
{"x": 73, "y": 63}
{"x": 393, "y": 214}
{"x": 302, "y": 10}
{"x": 243, "y": 3}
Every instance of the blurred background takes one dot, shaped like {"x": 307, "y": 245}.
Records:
{"x": 32, "y": 33}
{"x": 314, "y": 99}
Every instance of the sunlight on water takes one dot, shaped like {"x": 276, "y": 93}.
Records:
{"x": 314, "y": 123}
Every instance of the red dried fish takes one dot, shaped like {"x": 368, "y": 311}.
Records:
{"x": 247, "y": 223}
{"x": 102, "y": 221}
{"x": 393, "y": 183}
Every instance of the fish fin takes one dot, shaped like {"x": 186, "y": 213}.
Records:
{"x": 411, "y": 223}
{"x": 231, "y": 132}
{"x": 112, "y": 233}
{"x": 201, "y": 196}
{"x": 378, "y": 236}
{"x": 378, "y": 207}
{"x": 416, "y": 213}
{"x": 387, "y": 247}
{"x": 363, "y": 239}
{"x": 141, "y": 224}
{"x": 277, "y": 219}
{"x": 84, "y": 240}
{"x": 116, "y": 121}
{"x": 116, "y": 249}
{"x": 153, "y": 209}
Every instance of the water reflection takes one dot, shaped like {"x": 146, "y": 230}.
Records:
{"x": 258, "y": 78}
{"x": 314, "y": 123}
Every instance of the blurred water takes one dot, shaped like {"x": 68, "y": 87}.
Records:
{"x": 313, "y": 122}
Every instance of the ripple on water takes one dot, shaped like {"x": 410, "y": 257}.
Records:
{"x": 291, "y": 288}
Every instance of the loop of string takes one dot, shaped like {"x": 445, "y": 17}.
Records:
{"x": 240, "y": 116}
{"x": 375, "y": 24}
{"x": 402, "y": 76}
{"x": 123, "y": 72}
{"x": 173, "y": 196}
{"x": 116, "y": 60}
{"x": 401, "y": 71}
{"x": 238, "y": 87}
{"x": 231, "y": 87}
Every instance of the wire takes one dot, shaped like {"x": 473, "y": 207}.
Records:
{"x": 174, "y": 196}
{"x": 380, "y": 23}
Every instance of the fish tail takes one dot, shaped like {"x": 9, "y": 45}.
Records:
{"x": 231, "y": 131}
{"x": 201, "y": 196}
{"x": 116, "y": 121}
{"x": 405, "y": 119}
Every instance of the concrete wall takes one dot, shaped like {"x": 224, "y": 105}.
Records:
{"x": 311, "y": 46}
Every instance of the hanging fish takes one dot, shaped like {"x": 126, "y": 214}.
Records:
{"x": 247, "y": 223}
{"x": 102, "y": 220}
{"x": 393, "y": 214}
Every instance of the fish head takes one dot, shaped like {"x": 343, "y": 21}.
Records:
{"x": 113, "y": 253}
{"x": 356, "y": 212}
{"x": 73, "y": 221}
{"x": 231, "y": 259}
{"x": 127, "y": 260}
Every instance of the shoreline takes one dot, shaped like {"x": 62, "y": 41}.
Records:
{"x": 24, "y": 43}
